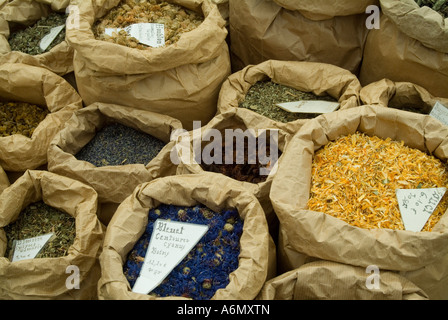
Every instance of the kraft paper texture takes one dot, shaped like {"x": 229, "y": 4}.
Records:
{"x": 261, "y": 30}
{"x": 257, "y": 255}
{"x": 181, "y": 80}
{"x": 58, "y": 60}
{"x": 45, "y": 278}
{"x": 36, "y": 85}
{"x": 113, "y": 183}
{"x": 319, "y": 78}
{"x": 318, "y": 235}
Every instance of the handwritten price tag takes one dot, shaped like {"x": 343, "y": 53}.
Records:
{"x": 29, "y": 248}
{"x": 440, "y": 113}
{"x": 170, "y": 242}
{"x": 417, "y": 205}
{"x": 151, "y": 34}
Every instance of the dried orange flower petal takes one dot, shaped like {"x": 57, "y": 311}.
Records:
{"x": 354, "y": 178}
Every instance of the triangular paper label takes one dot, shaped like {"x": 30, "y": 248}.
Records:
{"x": 170, "y": 243}
{"x": 151, "y": 34}
{"x": 309, "y": 106}
{"x": 29, "y": 248}
{"x": 417, "y": 205}
{"x": 440, "y": 112}
{"x": 49, "y": 38}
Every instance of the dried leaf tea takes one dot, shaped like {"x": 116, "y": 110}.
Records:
{"x": 39, "y": 219}
{"x": 176, "y": 19}
{"x": 441, "y": 6}
{"x": 263, "y": 96}
{"x": 355, "y": 177}
{"x": 116, "y": 144}
{"x": 27, "y": 40}
{"x": 20, "y": 118}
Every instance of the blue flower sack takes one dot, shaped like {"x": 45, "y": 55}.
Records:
{"x": 231, "y": 261}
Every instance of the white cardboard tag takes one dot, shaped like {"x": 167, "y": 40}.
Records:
{"x": 417, "y": 205}
{"x": 170, "y": 242}
{"x": 49, "y": 38}
{"x": 309, "y": 106}
{"x": 151, "y": 34}
{"x": 440, "y": 113}
{"x": 29, "y": 248}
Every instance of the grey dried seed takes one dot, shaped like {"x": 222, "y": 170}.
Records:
{"x": 116, "y": 144}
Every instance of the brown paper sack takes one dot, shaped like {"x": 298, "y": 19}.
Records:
{"x": 326, "y": 280}
{"x": 243, "y": 119}
{"x": 113, "y": 183}
{"x": 399, "y": 95}
{"x": 4, "y": 180}
{"x": 180, "y": 80}
{"x": 332, "y": 32}
{"x": 318, "y": 78}
{"x": 410, "y": 46}
{"x": 19, "y": 82}
{"x": 21, "y": 12}
{"x": 47, "y": 278}
{"x": 316, "y": 234}
{"x": 215, "y": 192}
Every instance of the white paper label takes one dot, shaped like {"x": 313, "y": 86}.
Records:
{"x": 49, "y": 38}
{"x": 440, "y": 113}
{"x": 29, "y": 248}
{"x": 151, "y": 34}
{"x": 170, "y": 243}
{"x": 309, "y": 106}
{"x": 417, "y": 205}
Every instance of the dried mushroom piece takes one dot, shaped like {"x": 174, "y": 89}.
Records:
{"x": 175, "y": 18}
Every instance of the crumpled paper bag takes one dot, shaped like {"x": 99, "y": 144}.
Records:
{"x": 180, "y": 80}
{"x": 319, "y": 78}
{"x": 326, "y": 280}
{"x": 333, "y": 32}
{"x": 318, "y": 235}
{"x": 388, "y": 93}
{"x": 256, "y": 258}
{"x": 58, "y": 60}
{"x": 36, "y": 85}
{"x": 45, "y": 278}
{"x": 411, "y": 45}
{"x": 113, "y": 183}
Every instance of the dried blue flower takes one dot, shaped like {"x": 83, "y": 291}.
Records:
{"x": 207, "y": 266}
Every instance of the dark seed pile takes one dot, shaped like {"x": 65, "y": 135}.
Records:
{"x": 27, "y": 40}
{"x": 263, "y": 96}
{"x": 39, "y": 219}
{"x": 116, "y": 144}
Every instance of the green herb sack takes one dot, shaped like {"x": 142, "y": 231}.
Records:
{"x": 314, "y": 77}
{"x": 73, "y": 276}
{"x": 21, "y": 14}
